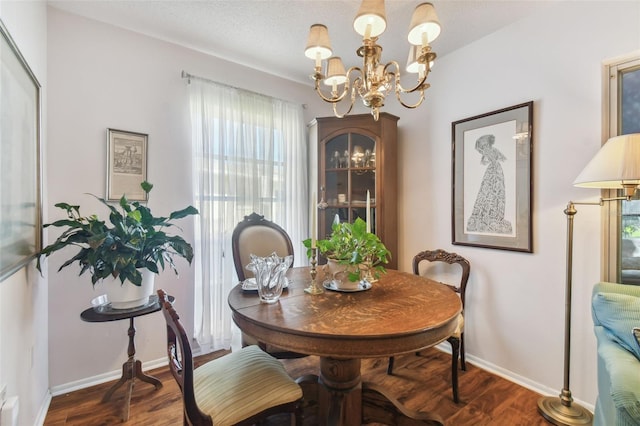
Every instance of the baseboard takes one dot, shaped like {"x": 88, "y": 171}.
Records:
{"x": 512, "y": 377}
{"x": 44, "y": 408}
{"x": 102, "y": 378}
{"x": 107, "y": 377}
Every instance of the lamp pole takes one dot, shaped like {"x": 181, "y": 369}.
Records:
{"x": 561, "y": 410}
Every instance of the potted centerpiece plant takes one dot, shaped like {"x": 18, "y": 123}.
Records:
{"x": 351, "y": 247}
{"x": 124, "y": 252}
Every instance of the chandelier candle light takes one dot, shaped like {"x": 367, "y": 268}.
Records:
{"x": 374, "y": 78}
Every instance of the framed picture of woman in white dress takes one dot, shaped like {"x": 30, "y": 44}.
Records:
{"x": 492, "y": 186}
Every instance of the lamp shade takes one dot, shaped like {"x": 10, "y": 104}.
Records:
{"x": 425, "y": 26}
{"x": 335, "y": 72}
{"x": 615, "y": 165}
{"x": 318, "y": 42}
{"x": 371, "y": 14}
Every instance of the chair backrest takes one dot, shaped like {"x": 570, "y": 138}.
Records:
{"x": 440, "y": 255}
{"x": 259, "y": 236}
{"x": 181, "y": 361}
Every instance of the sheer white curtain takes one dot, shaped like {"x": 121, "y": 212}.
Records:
{"x": 250, "y": 154}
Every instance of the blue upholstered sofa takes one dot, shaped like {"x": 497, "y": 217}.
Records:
{"x": 616, "y": 311}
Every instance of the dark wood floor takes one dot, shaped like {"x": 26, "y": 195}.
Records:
{"x": 420, "y": 382}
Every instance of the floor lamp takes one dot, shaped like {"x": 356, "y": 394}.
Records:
{"x": 615, "y": 166}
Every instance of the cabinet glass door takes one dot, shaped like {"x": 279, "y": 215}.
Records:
{"x": 349, "y": 172}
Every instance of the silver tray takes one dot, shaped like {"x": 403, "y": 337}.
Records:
{"x": 331, "y": 285}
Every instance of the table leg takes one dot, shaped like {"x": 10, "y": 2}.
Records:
{"x": 131, "y": 370}
{"x": 126, "y": 376}
{"x": 139, "y": 374}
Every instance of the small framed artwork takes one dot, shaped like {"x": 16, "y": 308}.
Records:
{"x": 20, "y": 178}
{"x": 126, "y": 165}
{"x": 492, "y": 186}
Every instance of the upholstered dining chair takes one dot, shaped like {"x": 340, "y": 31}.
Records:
{"x": 457, "y": 338}
{"x": 259, "y": 236}
{"x": 239, "y": 388}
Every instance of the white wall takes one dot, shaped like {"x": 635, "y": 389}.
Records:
{"x": 23, "y": 296}
{"x": 516, "y": 300}
{"x": 104, "y": 77}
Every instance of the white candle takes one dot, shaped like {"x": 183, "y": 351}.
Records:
{"x": 313, "y": 220}
{"x": 368, "y": 212}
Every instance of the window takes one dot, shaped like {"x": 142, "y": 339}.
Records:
{"x": 622, "y": 219}
{"x": 249, "y": 155}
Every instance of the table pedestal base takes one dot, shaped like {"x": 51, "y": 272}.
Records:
{"x": 379, "y": 407}
{"x": 342, "y": 399}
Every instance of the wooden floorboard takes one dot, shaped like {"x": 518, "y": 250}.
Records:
{"x": 419, "y": 382}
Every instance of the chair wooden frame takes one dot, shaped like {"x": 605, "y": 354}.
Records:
{"x": 457, "y": 344}
{"x": 181, "y": 367}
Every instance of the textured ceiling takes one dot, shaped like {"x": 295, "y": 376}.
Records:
{"x": 271, "y": 34}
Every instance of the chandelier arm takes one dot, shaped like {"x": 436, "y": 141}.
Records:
{"x": 332, "y": 99}
{"x": 416, "y": 105}
{"x": 421, "y": 83}
{"x": 337, "y": 114}
{"x": 345, "y": 90}
{"x": 398, "y": 89}
{"x": 357, "y": 83}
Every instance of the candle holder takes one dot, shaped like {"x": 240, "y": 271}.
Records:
{"x": 314, "y": 288}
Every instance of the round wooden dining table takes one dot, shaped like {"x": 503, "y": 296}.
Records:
{"x": 399, "y": 313}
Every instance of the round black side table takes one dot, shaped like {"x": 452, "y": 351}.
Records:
{"x": 132, "y": 368}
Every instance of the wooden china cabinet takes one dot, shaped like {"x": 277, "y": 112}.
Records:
{"x": 357, "y": 154}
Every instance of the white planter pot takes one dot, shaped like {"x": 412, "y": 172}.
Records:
{"x": 128, "y": 295}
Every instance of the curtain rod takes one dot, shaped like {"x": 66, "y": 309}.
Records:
{"x": 207, "y": 80}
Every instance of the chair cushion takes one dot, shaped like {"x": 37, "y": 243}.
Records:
{"x": 618, "y": 314}
{"x": 242, "y": 384}
{"x": 459, "y": 327}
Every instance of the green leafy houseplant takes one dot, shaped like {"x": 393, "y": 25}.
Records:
{"x": 350, "y": 244}
{"x": 132, "y": 239}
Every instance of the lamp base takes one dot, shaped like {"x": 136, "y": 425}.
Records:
{"x": 552, "y": 409}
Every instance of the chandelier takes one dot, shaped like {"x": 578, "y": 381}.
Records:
{"x": 374, "y": 79}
